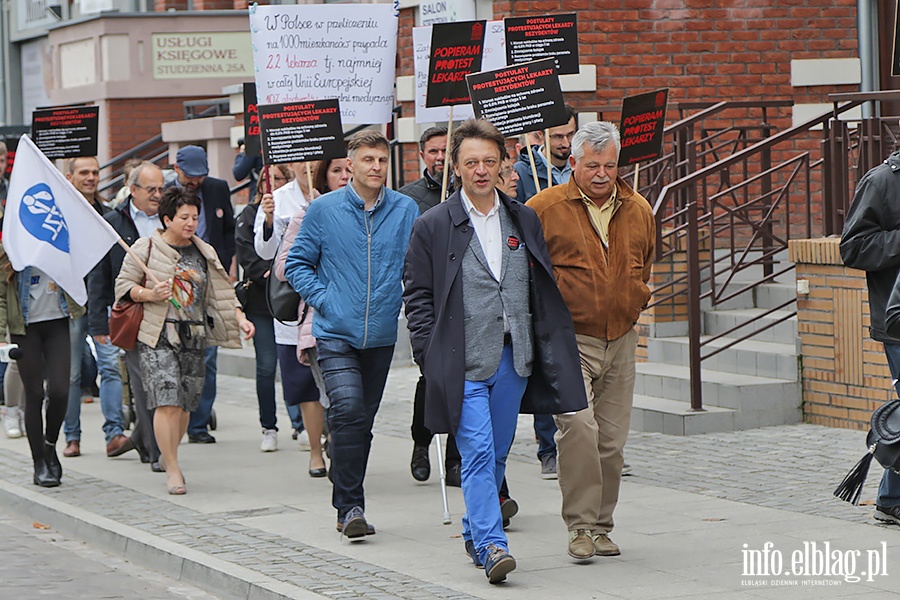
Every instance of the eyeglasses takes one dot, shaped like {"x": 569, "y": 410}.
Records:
{"x": 558, "y": 137}
{"x": 505, "y": 173}
{"x": 151, "y": 190}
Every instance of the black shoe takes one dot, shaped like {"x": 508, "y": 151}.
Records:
{"x": 316, "y": 473}
{"x": 370, "y": 529}
{"x": 498, "y": 564}
{"x": 420, "y": 465}
{"x": 473, "y": 554}
{"x": 888, "y": 514}
{"x": 156, "y": 467}
{"x": 42, "y": 475}
{"x": 53, "y": 464}
{"x": 508, "y": 508}
{"x": 354, "y": 525}
{"x": 142, "y": 452}
{"x": 201, "y": 438}
{"x": 454, "y": 475}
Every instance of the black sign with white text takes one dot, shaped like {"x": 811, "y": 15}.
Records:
{"x": 66, "y": 131}
{"x": 533, "y": 38}
{"x": 301, "y": 131}
{"x": 519, "y": 98}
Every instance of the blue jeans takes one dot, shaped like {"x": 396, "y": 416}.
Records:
{"x": 487, "y": 424}
{"x": 266, "y": 362}
{"x": 889, "y": 489}
{"x": 199, "y": 421}
{"x": 110, "y": 385}
{"x": 355, "y": 382}
{"x": 545, "y": 429}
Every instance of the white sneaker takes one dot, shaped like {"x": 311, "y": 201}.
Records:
{"x": 269, "y": 441}
{"x": 11, "y": 424}
{"x": 303, "y": 440}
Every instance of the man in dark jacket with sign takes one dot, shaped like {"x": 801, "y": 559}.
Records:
{"x": 506, "y": 344}
{"x": 870, "y": 242}
{"x": 427, "y": 190}
{"x": 560, "y": 145}
{"x": 135, "y": 218}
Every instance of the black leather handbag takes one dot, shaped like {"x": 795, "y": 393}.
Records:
{"x": 281, "y": 297}
{"x": 884, "y": 446}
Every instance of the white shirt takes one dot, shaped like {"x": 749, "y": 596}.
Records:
{"x": 144, "y": 223}
{"x": 288, "y": 200}
{"x": 487, "y": 228}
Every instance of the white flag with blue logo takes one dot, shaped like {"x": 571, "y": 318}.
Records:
{"x": 48, "y": 224}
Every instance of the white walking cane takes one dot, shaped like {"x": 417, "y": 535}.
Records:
{"x": 440, "y": 463}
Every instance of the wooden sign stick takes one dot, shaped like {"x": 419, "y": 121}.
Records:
{"x": 537, "y": 182}
{"x": 445, "y": 178}
{"x": 549, "y": 164}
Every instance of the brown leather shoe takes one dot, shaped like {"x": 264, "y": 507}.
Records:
{"x": 581, "y": 546}
{"x": 604, "y": 546}
{"x": 73, "y": 448}
{"x": 119, "y": 445}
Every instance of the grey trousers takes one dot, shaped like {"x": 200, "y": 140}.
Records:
{"x": 143, "y": 436}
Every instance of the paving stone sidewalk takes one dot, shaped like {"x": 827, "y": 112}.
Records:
{"x": 39, "y": 563}
{"x": 791, "y": 467}
{"x": 249, "y": 520}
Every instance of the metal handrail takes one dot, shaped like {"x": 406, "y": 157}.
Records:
{"x": 732, "y": 205}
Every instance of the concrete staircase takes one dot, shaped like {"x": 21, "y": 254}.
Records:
{"x": 755, "y": 383}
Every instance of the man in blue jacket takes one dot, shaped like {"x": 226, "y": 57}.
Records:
{"x": 347, "y": 264}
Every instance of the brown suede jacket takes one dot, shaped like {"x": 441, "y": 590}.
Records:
{"x": 605, "y": 289}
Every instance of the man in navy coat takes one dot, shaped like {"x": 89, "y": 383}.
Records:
{"x": 489, "y": 328}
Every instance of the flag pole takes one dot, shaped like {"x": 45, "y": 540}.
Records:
{"x": 309, "y": 179}
{"x": 134, "y": 255}
{"x": 445, "y": 179}
{"x": 144, "y": 268}
{"x": 637, "y": 171}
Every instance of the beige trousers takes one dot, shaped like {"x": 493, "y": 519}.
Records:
{"x": 590, "y": 442}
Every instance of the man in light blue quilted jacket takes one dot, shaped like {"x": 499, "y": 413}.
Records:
{"x": 347, "y": 263}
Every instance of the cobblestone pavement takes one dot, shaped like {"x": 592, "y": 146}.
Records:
{"x": 218, "y": 534}
{"x": 40, "y": 563}
{"x": 791, "y": 467}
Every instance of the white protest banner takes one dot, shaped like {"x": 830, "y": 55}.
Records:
{"x": 49, "y": 225}
{"x": 494, "y": 57}
{"x": 320, "y": 51}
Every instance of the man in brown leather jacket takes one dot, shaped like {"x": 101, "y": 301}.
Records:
{"x": 601, "y": 236}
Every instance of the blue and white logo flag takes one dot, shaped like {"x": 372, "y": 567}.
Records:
{"x": 48, "y": 224}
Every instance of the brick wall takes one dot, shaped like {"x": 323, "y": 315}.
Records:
{"x": 845, "y": 373}
{"x": 701, "y": 49}
{"x": 132, "y": 121}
